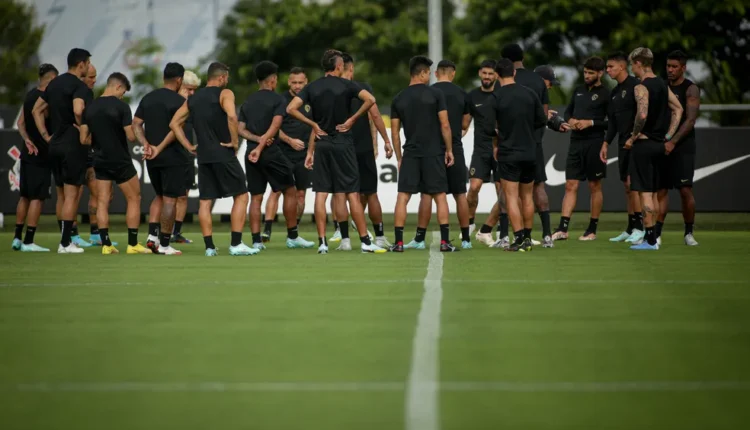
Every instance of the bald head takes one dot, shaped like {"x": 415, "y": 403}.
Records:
{"x": 90, "y": 79}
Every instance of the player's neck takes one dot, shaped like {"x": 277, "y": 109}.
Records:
{"x": 442, "y": 79}
{"x": 678, "y": 81}
{"x": 109, "y": 93}
{"x": 488, "y": 90}
{"x": 518, "y": 64}
{"x": 621, "y": 77}
{"x": 172, "y": 86}
{"x": 74, "y": 72}
{"x": 594, "y": 85}
{"x": 506, "y": 81}
{"x": 213, "y": 84}
{"x": 415, "y": 82}
{"x": 266, "y": 87}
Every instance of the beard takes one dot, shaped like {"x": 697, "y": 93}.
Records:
{"x": 486, "y": 84}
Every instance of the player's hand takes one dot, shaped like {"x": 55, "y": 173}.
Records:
{"x": 668, "y": 147}
{"x": 318, "y": 131}
{"x": 192, "y": 149}
{"x": 346, "y": 126}
{"x": 495, "y": 150}
{"x": 628, "y": 143}
{"x": 228, "y": 145}
{"x": 573, "y": 123}
{"x": 399, "y": 165}
{"x": 564, "y": 127}
{"x": 254, "y": 155}
{"x": 584, "y": 124}
{"x": 551, "y": 113}
{"x": 297, "y": 144}
{"x": 449, "y": 160}
{"x": 269, "y": 140}
{"x": 309, "y": 161}
{"x": 388, "y": 150}
{"x": 153, "y": 152}
{"x": 603, "y": 153}
{"x": 33, "y": 150}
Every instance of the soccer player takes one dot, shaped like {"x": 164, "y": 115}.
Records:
{"x": 167, "y": 161}
{"x": 586, "y": 113}
{"x": 333, "y": 153}
{"x": 621, "y": 116}
{"x": 519, "y": 114}
{"x": 259, "y": 122}
{"x": 427, "y": 152}
{"x": 294, "y": 136}
{"x": 35, "y": 171}
{"x": 64, "y": 97}
{"x": 364, "y": 133}
{"x": 94, "y": 239}
{"x": 214, "y": 117}
{"x": 457, "y": 103}
{"x": 651, "y": 126}
{"x": 680, "y": 148}
{"x": 107, "y": 126}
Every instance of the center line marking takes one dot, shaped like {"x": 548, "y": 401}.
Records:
{"x": 422, "y": 389}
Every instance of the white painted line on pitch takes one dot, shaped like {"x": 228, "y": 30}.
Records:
{"x": 370, "y": 386}
{"x": 422, "y": 389}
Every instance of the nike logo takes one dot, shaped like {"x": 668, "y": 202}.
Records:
{"x": 707, "y": 171}
{"x": 557, "y": 177}
{"x": 578, "y": 95}
{"x": 478, "y": 105}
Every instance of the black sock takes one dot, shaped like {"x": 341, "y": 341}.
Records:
{"x": 366, "y": 239}
{"x": 657, "y": 228}
{"x": 546, "y": 223}
{"x": 164, "y": 239}
{"x": 399, "y": 234}
{"x": 564, "y": 223}
{"x": 153, "y": 229}
{"x": 94, "y": 228}
{"x": 631, "y": 223}
{"x": 379, "y": 230}
{"x": 256, "y": 238}
{"x": 471, "y": 221}
{"x": 30, "y": 231}
{"x": 177, "y": 228}
{"x": 638, "y": 221}
{"x": 322, "y": 241}
{"x": 344, "y": 226}
{"x": 527, "y": 233}
{"x": 650, "y": 236}
{"x": 236, "y": 238}
{"x": 19, "y": 232}
{"x": 519, "y": 236}
{"x": 132, "y": 236}
{"x": 59, "y": 225}
{"x": 503, "y": 225}
{"x": 484, "y": 229}
{"x": 267, "y": 226}
{"x": 465, "y": 234}
{"x": 335, "y": 224}
{"x": 421, "y": 234}
{"x": 74, "y": 230}
{"x": 292, "y": 233}
{"x": 688, "y": 228}
{"x": 104, "y": 233}
{"x": 67, "y": 226}
{"x": 593, "y": 223}
{"x": 445, "y": 232}
{"x": 209, "y": 241}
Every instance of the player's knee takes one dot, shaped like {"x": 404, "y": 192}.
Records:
{"x": 686, "y": 192}
{"x": 571, "y": 186}
{"x": 595, "y": 186}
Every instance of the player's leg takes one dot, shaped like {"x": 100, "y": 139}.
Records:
{"x": 408, "y": 185}
{"x": 302, "y": 182}
{"x": 204, "y": 217}
{"x": 434, "y": 181}
{"x": 484, "y": 235}
{"x": 32, "y": 220}
{"x": 75, "y": 234}
{"x": 688, "y": 213}
{"x": 462, "y": 211}
{"x": 526, "y": 192}
{"x": 443, "y": 216}
{"x": 154, "y": 217}
{"x": 596, "y": 171}
{"x": 94, "y": 238}
{"x": 644, "y": 164}
{"x": 254, "y": 213}
{"x": 541, "y": 200}
{"x": 595, "y": 189}
{"x": 480, "y": 172}
{"x": 320, "y": 221}
{"x": 182, "y": 204}
{"x": 375, "y": 211}
{"x": 510, "y": 189}
{"x": 424, "y": 213}
{"x": 59, "y": 202}
{"x": 472, "y": 197}
{"x": 272, "y": 208}
{"x": 291, "y": 206}
{"x": 662, "y": 197}
{"x": 574, "y": 173}
{"x": 341, "y": 215}
{"x": 337, "y": 228}
{"x": 131, "y": 188}
{"x": 104, "y": 190}
{"x": 22, "y": 210}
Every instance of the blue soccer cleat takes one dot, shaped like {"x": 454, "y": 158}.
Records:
{"x": 466, "y": 245}
{"x": 211, "y": 252}
{"x": 242, "y": 249}
{"x": 299, "y": 242}
{"x": 622, "y": 237}
{"x": 644, "y": 246}
{"x": 78, "y": 240}
{"x": 415, "y": 245}
{"x": 17, "y": 244}
{"x": 636, "y": 236}
{"x": 33, "y": 247}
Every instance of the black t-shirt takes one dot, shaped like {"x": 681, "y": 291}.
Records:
{"x": 519, "y": 114}
{"x": 688, "y": 142}
{"x": 33, "y": 132}
{"x": 295, "y": 129}
{"x": 330, "y": 98}
{"x": 417, "y": 107}
{"x": 258, "y": 112}
{"x": 211, "y": 126}
{"x": 536, "y": 84}
{"x": 60, "y": 94}
{"x": 107, "y": 118}
{"x": 622, "y": 110}
{"x": 659, "y": 114}
{"x": 457, "y": 103}
{"x": 589, "y": 104}
{"x": 361, "y": 128}
{"x": 482, "y": 108}
{"x": 156, "y": 110}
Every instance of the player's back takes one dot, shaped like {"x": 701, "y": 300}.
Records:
{"x": 156, "y": 110}
{"x": 107, "y": 118}
{"x": 417, "y": 108}
{"x": 31, "y": 129}
{"x": 330, "y": 98}
{"x": 457, "y": 103}
{"x": 259, "y": 110}
{"x": 519, "y": 114}
{"x": 657, "y": 121}
{"x": 210, "y": 125}
{"x": 60, "y": 94}
{"x": 361, "y": 128}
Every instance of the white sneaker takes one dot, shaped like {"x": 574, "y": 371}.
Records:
{"x": 535, "y": 242}
{"x": 382, "y": 242}
{"x": 70, "y": 249}
{"x": 485, "y": 238}
{"x": 472, "y": 227}
{"x": 690, "y": 240}
{"x": 169, "y": 251}
{"x": 336, "y": 236}
{"x": 152, "y": 239}
{"x": 323, "y": 249}
{"x": 372, "y": 248}
{"x": 346, "y": 245}
{"x": 658, "y": 240}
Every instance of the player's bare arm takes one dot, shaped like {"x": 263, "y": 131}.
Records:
{"x": 178, "y": 121}
{"x": 310, "y": 151}
{"x": 78, "y": 106}
{"x": 84, "y": 134}
{"x": 246, "y": 134}
{"x": 396, "y": 138}
{"x": 445, "y": 130}
{"x": 21, "y": 123}
{"x": 296, "y": 144}
{"x": 692, "y": 107}
{"x": 293, "y": 110}
{"x": 266, "y": 139}
{"x": 129, "y": 134}
{"x": 377, "y": 121}
{"x": 373, "y": 135}
{"x": 676, "y": 107}
{"x": 465, "y": 122}
{"x": 368, "y": 100}
{"x": 641, "y": 113}
{"x": 226, "y": 99}
{"x": 39, "y": 112}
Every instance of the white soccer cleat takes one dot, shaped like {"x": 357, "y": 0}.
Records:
{"x": 346, "y": 245}
{"x": 472, "y": 227}
{"x": 658, "y": 240}
{"x": 336, "y": 236}
{"x": 485, "y": 238}
{"x": 503, "y": 243}
{"x": 382, "y": 242}
{"x": 354, "y": 226}
{"x": 535, "y": 242}
{"x": 548, "y": 242}
{"x": 70, "y": 249}
{"x": 169, "y": 251}
{"x": 323, "y": 249}
{"x": 689, "y": 240}
{"x": 33, "y": 247}
{"x": 373, "y": 249}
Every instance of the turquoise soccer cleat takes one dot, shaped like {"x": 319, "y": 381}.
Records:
{"x": 299, "y": 242}
{"x": 242, "y": 250}
{"x": 466, "y": 245}
{"x": 17, "y": 244}
{"x": 636, "y": 236}
{"x": 78, "y": 240}
{"x": 211, "y": 252}
{"x": 33, "y": 247}
{"x": 415, "y": 245}
{"x": 644, "y": 246}
{"x": 622, "y": 237}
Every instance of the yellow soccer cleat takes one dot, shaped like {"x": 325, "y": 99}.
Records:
{"x": 138, "y": 249}
{"x": 109, "y": 250}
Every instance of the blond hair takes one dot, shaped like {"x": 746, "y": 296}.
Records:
{"x": 643, "y": 56}
{"x": 190, "y": 78}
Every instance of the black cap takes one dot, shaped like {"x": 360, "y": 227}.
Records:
{"x": 446, "y": 64}
{"x": 548, "y": 73}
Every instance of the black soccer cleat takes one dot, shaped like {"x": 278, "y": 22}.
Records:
{"x": 398, "y": 247}
{"x": 153, "y": 246}
{"x": 524, "y": 246}
{"x": 448, "y": 247}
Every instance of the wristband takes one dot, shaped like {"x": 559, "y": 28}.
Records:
{"x": 668, "y": 137}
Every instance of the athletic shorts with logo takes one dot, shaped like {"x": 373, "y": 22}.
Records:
{"x": 483, "y": 166}
{"x": 36, "y": 180}
{"x": 68, "y": 158}
{"x": 646, "y": 160}
{"x": 220, "y": 180}
{"x": 426, "y": 175}
{"x": 583, "y": 161}
{"x": 368, "y": 172}
{"x": 522, "y": 172}
{"x": 118, "y": 174}
{"x": 171, "y": 181}
{"x": 457, "y": 173}
{"x": 272, "y": 167}
{"x": 335, "y": 167}
{"x": 677, "y": 169}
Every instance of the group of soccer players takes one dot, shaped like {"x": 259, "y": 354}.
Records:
{"x": 325, "y": 133}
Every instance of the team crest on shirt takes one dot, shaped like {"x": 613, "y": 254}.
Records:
{"x": 471, "y": 172}
{"x": 14, "y": 173}
{"x": 595, "y": 96}
{"x": 623, "y": 93}
{"x": 307, "y": 108}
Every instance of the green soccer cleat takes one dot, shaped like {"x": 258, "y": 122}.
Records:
{"x": 621, "y": 238}
{"x": 242, "y": 250}
{"x": 415, "y": 245}
{"x": 299, "y": 243}
{"x": 17, "y": 244}
{"x": 211, "y": 252}
{"x": 33, "y": 247}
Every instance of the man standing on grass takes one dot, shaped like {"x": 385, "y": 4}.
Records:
{"x": 427, "y": 152}
{"x": 35, "y": 171}
{"x": 107, "y": 126}
{"x": 94, "y": 239}
{"x": 259, "y": 122}
{"x": 214, "y": 117}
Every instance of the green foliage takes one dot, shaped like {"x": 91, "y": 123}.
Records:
{"x": 19, "y": 40}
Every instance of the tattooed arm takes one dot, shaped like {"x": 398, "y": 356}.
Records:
{"x": 676, "y": 107}
{"x": 641, "y": 113}
{"x": 692, "y": 106}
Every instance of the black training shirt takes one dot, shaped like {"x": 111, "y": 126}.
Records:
{"x": 417, "y": 107}
{"x": 659, "y": 113}
{"x": 211, "y": 126}
{"x": 519, "y": 114}
{"x": 482, "y": 108}
{"x": 687, "y": 145}
{"x": 258, "y": 112}
{"x": 107, "y": 118}
{"x": 330, "y": 98}
{"x": 361, "y": 128}
{"x": 457, "y": 103}
{"x": 536, "y": 84}
{"x": 589, "y": 104}
{"x": 296, "y": 129}
{"x": 60, "y": 94}
{"x": 156, "y": 110}
{"x": 621, "y": 112}
{"x": 33, "y": 132}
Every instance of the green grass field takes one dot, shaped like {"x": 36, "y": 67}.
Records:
{"x": 582, "y": 336}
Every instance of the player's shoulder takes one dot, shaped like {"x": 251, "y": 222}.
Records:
{"x": 33, "y": 94}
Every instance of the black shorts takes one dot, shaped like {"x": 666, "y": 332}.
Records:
{"x": 368, "y": 172}
{"x": 271, "y": 168}
{"x": 677, "y": 171}
{"x": 540, "y": 175}
{"x": 583, "y": 161}
{"x": 457, "y": 174}
{"x": 522, "y": 172}
{"x": 335, "y": 167}
{"x": 68, "y": 159}
{"x": 483, "y": 166}
{"x": 427, "y": 175}
{"x": 170, "y": 181}
{"x": 90, "y": 158}
{"x": 36, "y": 180}
{"x": 645, "y": 161}
{"x": 623, "y": 162}
{"x": 302, "y": 175}
{"x": 118, "y": 174}
{"x": 220, "y": 180}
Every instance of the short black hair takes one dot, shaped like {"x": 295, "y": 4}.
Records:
{"x": 77, "y": 56}
{"x": 513, "y": 52}
{"x": 265, "y": 69}
{"x": 348, "y": 59}
{"x": 117, "y": 76}
{"x": 488, "y": 64}
{"x": 329, "y": 60}
{"x": 596, "y": 64}
{"x": 679, "y": 56}
{"x": 173, "y": 71}
{"x": 618, "y": 56}
{"x": 504, "y": 68}
{"x": 446, "y": 64}
{"x": 418, "y": 64}
{"x": 46, "y": 68}
{"x": 297, "y": 71}
{"x": 217, "y": 69}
